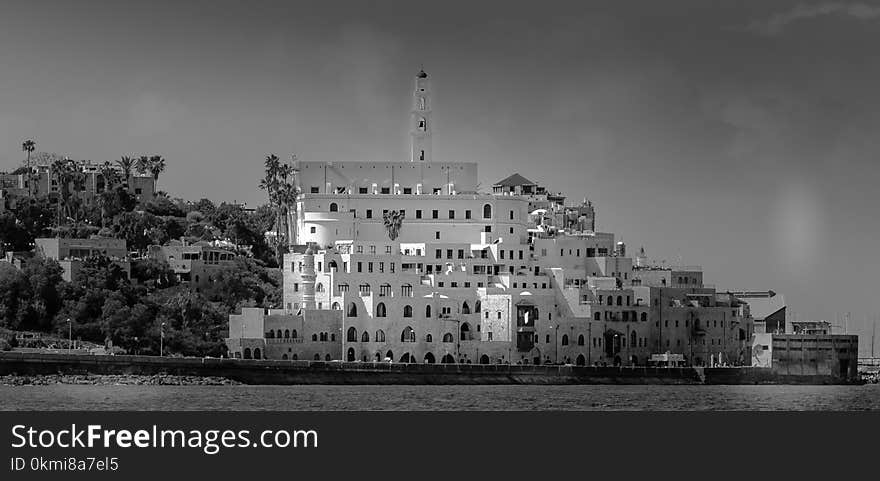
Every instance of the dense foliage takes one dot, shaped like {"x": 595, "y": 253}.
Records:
{"x": 102, "y": 303}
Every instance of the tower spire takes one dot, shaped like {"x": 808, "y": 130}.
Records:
{"x": 420, "y": 128}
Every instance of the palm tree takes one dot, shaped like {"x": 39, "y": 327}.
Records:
{"x": 271, "y": 183}
{"x": 156, "y": 166}
{"x": 28, "y": 146}
{"x": 125, "y": 163}
{"x": 393, "y": 221}
{"x": 63, "y": 173}
{"x": 142, "y": 164}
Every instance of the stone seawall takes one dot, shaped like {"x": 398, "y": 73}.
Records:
{"x": 317, "y": 372}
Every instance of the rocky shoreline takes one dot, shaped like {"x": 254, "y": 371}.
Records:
{"x": 115, "y": 380}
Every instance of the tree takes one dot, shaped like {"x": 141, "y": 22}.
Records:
{"x": 28, "y": 146}
{"x": 156, "y": 166}
{"x": 142, "y": 164}
{"x": 279, "y": 183}
{"x": 393, "y": 221}
{"x": 125, "y": 163}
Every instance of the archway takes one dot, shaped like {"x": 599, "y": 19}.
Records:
{"x": 429, "y": 358}
{"x": 350, "y": 356}
{"x": 448, "y": 337}
{"x": 484, "y": 359}
{"x": 334, "y": 207}
{"x": 634, "y": 360}
{"x": 408, "y": 335}
{"x": 617, "y": 361}
{"x": 378, "y": 357}
{"x": 465, "y": 332}
{"x": 352, "y": 310}
{"x": 284, "y": 357}
{"x": 389, "y": 355}
{"x": 257, "y": 353}
{"x": 327, "y": 357}
{"x": 405, "y": 358}
{"x": 448, "y": 359}
{"x": 581, "y": 360}
{"x": 465, "y": 309}
{"x": 247, "y": 353}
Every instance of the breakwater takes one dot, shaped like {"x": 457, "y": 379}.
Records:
{"x": 318, "y": 372}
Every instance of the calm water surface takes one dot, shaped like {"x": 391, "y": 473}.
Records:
{"x": 428, "y": 398}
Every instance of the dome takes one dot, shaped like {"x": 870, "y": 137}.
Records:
{"x": 422, "y": 74}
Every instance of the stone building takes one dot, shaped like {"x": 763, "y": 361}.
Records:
{"x": 71, "y": 253}
{"x": 194, "y": 264}
{"x": 514, "y": 275}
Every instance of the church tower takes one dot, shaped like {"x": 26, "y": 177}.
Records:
{"x": 420, "y": 128}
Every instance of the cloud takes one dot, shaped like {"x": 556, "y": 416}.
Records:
{"x": 778, "y": 22}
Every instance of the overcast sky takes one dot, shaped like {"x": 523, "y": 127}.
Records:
{"x": 741, "y": 137}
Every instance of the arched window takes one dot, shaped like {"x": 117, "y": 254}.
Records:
{"x": 581, "y": 340}
{"x": 327, "y": 357}
{"x": 294, "y": 357}
{"x": 466, "y": 332}
{"x": 270, "y": 335}
{"x": 317, "y": 357}
{"x": 581, "y": 360}
{"x": 319, "y": 287}
{"x": 335, "y": 306}
{"x": 429, "y": 338}
{"x": 408, "y": 335}
{"x": 633, "y": 339}
{"x": 332, "y": 337}
{"x": 465, "y": 309}
{"x": 365, "y": 337}
{"x": 352, "y": 335}
{"x": 380, "y": 310}
{"x": 565, "y": 339}
{"x": 610, "y": 300}
{"x": 407, "y": 311}
{"x": 314, "y": 338}
{"x": 484, "y": 359}
{"x": 487, "y": 211}
{"x": 278, "y": 334}
{"x": 350, "y": 355}
{"x": 597, "y": 316}
{"x": 380, "y": 336}
{"x": 257, "y": 354}
{"x": 334, "y": 207}
{"x": 644, "y": 317}
{"x": 352, "y": 310}
{"x": 429, "y": 358}
{"x": 389, "y": 355}
{"x": 448, "y": 337}
{"x": 293, "y": 334}
{"x": 477, "y": 306}
{"x": 619, "y": 300}
{"x": 284, "y": 357}
{"x": 287, "y": 334}
{"x": 428, "y": 311}
{"x": 247, "y": 353}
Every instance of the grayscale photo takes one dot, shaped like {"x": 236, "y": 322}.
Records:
{"x": 438, "y": 206}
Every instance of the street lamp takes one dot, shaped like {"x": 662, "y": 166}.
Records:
{"x": 161, "y": 340}
{"x": 69, "y": 336}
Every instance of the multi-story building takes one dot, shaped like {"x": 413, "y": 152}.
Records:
{"x": 90, "y": 183}
{"x": 71, "y": 253}
{"x": 194, "y": 264}
{"x": 511, "y": 276}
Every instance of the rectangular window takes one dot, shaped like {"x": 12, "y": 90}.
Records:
{"x": 315, "y": 190}
{"x": 392, "y": 268}
{"x": 381, "y": 267}
{"x": 407, "y": 190}
{"x": 419, "y": 214}
{"x": 452, "y": 214}
{"x": 369, "y": 213}
{"x": 511, "y": 215}
{"x": 360, "y": 267}
{"x": 439, "y": 253}
{"x": 461, "y": 253}
{"x": 467, "y": 214}
{"x": 312, "y": 229}
{"x": 386, "y": 190}
{"x": 520, "y": 255}
{"x": 372, "y": 249}
{"x": 388, "y": 249}
{"x": 490, "y": 335}
{"x": 363, "y": 190}
{"x": 501, "y": 252}
{"x": 437, "y": 235}
{"x": 449, "y": 253}
{"x": 295, "y": 287}
{"x": 435, "y": 214}
{"x": 360, "y": 249}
